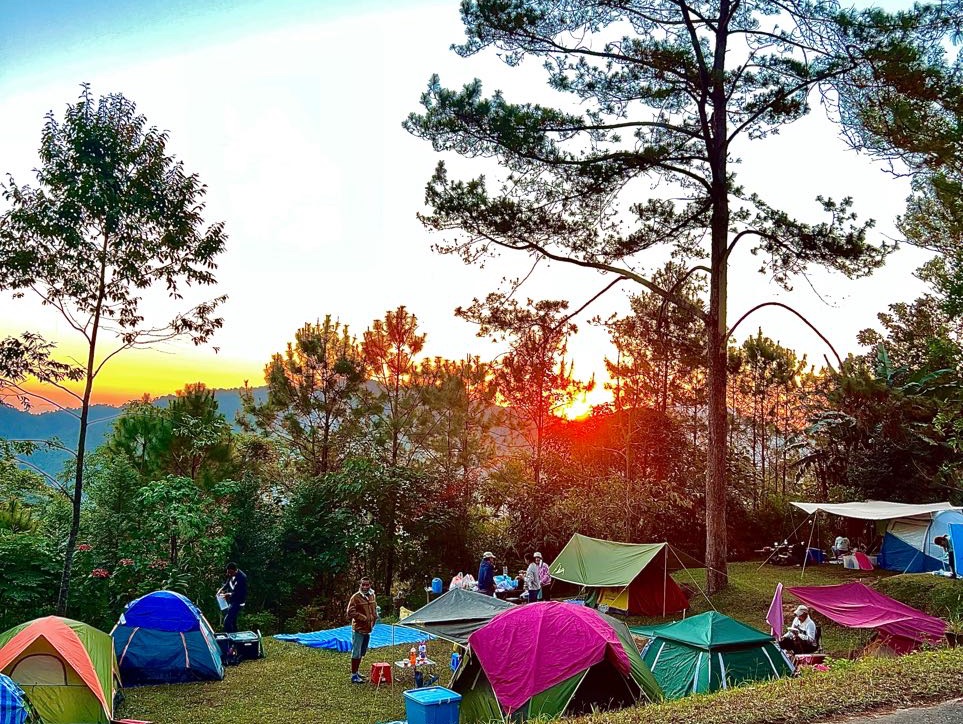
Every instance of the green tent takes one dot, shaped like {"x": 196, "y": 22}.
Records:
{"x": 455, "y": 615}
{"x": 709, "y": 652}
{"x": 629, "y": 577}
{"x": 597, "y": 687}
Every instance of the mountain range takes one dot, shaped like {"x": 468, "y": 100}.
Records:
{"x": 64, "y": 425}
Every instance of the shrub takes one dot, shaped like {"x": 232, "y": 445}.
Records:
{"x": 306, "y": 619}
{"x": 263, "y": 621}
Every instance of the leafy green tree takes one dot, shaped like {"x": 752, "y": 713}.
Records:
{"x": 919, "y": 335}
{"x": 880, "y": 437}
{"x": 201, "y": 444}
{"x": 312, "y": 390}
{"x": 112, "y": 215}
{"x": 668, "y": 92}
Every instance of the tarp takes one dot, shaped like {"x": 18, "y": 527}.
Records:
{"x": 876, "y": 509}
{"x": 857, "y": 606}
{"x": 709, "y": 652}
{"x": 67, "y": 669}
{"x": 774, "y": 616}
{"x": 550, "y": 642}
{"x": 455, "y": 615}
{"x": 13, "y": 702}
{"x": 163, "y": 638}
{"x": 631, "y": 577}
{"x": 339, "y": 639}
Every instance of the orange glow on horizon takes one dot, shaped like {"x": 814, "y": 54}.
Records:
{"x": 582, "y": 405}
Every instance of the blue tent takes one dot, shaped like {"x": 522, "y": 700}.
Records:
{"x": 13, "y": 702}
{"x": 163, "y": 638}
{"x": 908, "y": 542}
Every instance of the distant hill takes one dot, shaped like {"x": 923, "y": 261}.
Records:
{"x": 60, "y": 424}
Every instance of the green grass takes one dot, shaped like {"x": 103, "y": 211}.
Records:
{"x": 310, "y": 686}
{"x": 850, "y": 687}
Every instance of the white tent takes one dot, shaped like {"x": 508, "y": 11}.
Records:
{"x": 877, "y": 509}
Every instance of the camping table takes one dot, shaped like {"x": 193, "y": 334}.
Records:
{"x": 419, "y": 664}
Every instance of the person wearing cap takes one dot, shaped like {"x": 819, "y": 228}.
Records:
{"x": 801, "y": 636}
{"x": 544, "y": 577}
{"x": 486, "y": 574}
{"x": 533, "y": 582}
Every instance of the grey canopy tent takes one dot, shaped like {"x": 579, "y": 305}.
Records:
{"x": 455, "y": 615}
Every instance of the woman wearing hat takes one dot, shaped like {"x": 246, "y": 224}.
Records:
{"x": 801, "y": 636}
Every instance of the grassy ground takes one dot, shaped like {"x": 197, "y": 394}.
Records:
{"x": 311, "y": 686}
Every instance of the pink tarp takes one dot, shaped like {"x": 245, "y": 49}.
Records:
{"x": 857, "y": 606}
{"x": 528, "y": 649}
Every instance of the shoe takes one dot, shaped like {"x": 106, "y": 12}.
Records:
{"x": 363, "y": 678}
{"x": 357, "y": 679}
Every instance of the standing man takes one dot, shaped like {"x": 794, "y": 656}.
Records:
{"x": 363, "y": 612}
{"x": 544, "y": 577}
{"x": 533, "y": 583}
{"x": 486, "y": 574}
{"x": 234, "y": 591}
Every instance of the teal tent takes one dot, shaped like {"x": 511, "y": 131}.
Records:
{"x": 709, "y": 652}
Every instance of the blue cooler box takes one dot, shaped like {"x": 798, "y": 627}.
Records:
{"x": 432, "y": 705}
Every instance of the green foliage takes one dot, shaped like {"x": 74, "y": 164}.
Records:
{"x": 311, "y": 388}
{"x": 29, "y": 569}
{"x": 938, "y": 596}
{"x": 263, "y": 621}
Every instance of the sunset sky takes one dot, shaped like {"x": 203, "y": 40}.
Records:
{"x": 290, "y": 111}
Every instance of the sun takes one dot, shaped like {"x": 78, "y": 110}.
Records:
{"x": 578, "y": 408}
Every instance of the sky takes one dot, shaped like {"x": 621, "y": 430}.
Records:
{"x": 290, "y": 112}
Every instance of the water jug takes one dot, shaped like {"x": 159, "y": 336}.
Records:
{"x": 436, "y": 585}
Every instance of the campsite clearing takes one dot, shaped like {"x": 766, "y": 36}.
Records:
{"x": 311, "y": 686}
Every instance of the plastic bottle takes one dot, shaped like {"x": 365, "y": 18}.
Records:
{"x": 411, "y": 656}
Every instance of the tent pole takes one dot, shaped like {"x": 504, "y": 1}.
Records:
{"x": 665, "y": 575}
{"x": 806, "y": 554}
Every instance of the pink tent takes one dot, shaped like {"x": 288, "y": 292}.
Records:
{"x": 528, "y": 649}
{"x": 857, "y": 606}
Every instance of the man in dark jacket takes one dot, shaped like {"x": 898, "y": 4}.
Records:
{"x": 234, "y": 591}
{"x": 486, "y": 574}
{"x": 363, "y": 612}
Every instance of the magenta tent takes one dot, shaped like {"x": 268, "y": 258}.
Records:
{"x": 854, "y": 605}
{"x": 550, "y": 659}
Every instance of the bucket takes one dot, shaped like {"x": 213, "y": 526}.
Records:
{"x": 436, "y": 585}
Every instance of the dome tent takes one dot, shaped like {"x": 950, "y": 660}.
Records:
{"x": 565, "y": 660}
{"x": 709, "y": 652}
{"x": 14, "y": 708}
{"x": 163, "y": 638}
{"x": 66, "y": 668}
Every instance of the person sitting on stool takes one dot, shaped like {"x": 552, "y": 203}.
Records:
{"x": 841, "y": 546}
{"x": 801, "y": 636}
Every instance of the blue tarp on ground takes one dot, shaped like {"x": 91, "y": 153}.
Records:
{"x": 339, "y": 639}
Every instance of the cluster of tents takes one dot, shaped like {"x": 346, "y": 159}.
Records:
{"x": 566, "y": 658}
{"x": 67, "y": 672}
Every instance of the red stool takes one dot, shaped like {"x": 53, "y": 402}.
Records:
{"x": 380, "y": 674}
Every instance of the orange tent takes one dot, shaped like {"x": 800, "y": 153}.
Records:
{"x": 66, "y": 668}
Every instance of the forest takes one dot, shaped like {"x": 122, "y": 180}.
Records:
{"x": 365, "y": 457}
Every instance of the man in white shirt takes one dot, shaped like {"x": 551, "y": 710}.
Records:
{"x": 841, "y": 546}
{"x": 801, "y": 636}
